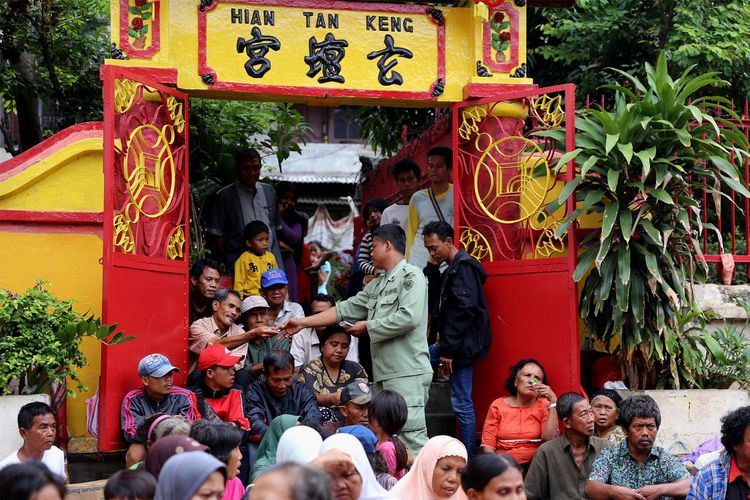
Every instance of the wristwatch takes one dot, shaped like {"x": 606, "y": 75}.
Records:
{"x": 551, "y": 405}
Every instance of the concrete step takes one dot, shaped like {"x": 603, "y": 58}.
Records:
{"x": 439, "y": 413}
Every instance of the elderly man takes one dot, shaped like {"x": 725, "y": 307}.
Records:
{"x": 636, "y": 468}
{"x": 220, "y": 328}
{"x": 256, "y": 316}
{"x": 204, "y": 281}
{"x": 306, "y": 344}
{"x": 729, "y": 475}
{"x": 240, "y": 203}
{"x": 37, "y": 426}
{"x": 274, "y": 287}
{"x": 157, "y": 395}
{"x": 392, "y": 310}
{"x": 560, "y": 467}
{"x": 278, "y": 394}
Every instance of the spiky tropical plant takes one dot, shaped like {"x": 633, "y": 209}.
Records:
{"x": 640, "y": 165}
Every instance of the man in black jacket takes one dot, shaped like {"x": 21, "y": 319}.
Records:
{"x": 278, "y": 394}
{"x": 460, "y": 320}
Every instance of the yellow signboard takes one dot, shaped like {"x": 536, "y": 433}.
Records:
{"x": 306, "y": 47}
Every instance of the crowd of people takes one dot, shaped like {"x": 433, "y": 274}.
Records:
{"x": 284, "y": 405}
{"x": 362, "y": 456}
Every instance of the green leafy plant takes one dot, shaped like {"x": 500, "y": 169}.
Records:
{"x": 40, "y": 340}
{"x": 383, "y": 127}
{"x": 218, "y": 129}
{"x": 713, "y": 359}
{"x": 641, "y": 164}
{"x": 578, "y": 44}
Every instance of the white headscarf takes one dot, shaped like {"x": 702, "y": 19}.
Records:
{"x": 371, "y": 489}
{"x": 298, "y": 444}
{"x": 417, "y": 483}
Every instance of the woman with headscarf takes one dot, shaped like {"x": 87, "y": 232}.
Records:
{"x": 292, "y": 234}
{"x": 361, "y": 485}
{"x": 436, "y": 472}
{"x": 298, "y": 444}
{"x": 168, "y": 446}
{"x": 265, "y": 457}
{"x": 605, "y": 404}
{"x": 191, "y": 474}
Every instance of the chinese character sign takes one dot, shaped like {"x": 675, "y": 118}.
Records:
{"x": 282, "y": 45}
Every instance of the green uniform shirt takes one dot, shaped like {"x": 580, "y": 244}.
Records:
{"x": 395, "y": 307}
{"x": 256, "y": 352}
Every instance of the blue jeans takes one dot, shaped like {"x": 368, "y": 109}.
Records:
{"x": 463, "y": 406}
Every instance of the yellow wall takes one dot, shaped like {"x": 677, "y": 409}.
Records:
{"x": 68, "y": 180}
{"x": 70, "y": 262}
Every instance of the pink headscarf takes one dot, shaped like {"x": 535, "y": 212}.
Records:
{"x": 417, "y": 483}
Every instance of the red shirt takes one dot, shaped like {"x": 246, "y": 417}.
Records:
{"x": 229, "y": 408}
{"x": 737, "y": 486}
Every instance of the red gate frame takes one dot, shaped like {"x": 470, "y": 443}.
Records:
{"x": 539, "y": 338}
{"x": 132, "y": 282}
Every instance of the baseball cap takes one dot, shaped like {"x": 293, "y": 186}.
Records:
{"x": 273, "y": 277}
{"x": 365, "y": 436}
{"x": 253, "y": 302}
{"x": 357, "y": 392}
{"x": 216, "y": 354}
{"x": 155, "y": 365}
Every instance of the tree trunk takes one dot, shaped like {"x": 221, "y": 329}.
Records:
{"x": 29, "y": 125}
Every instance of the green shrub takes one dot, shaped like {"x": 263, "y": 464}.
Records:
{"x": 40, "y": 340}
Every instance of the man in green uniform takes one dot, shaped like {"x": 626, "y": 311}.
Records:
{"x": 392, "y": 310}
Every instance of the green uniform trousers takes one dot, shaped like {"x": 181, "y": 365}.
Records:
{"x": 416, "y": 390}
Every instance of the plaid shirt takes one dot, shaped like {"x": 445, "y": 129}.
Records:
{"x": 711, "y": 481}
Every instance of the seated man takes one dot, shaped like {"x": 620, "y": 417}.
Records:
{"x": 255, "y": 316}
{"x": 278, "y": 394}
{"x": 157, "y": 395}
{"x": 355, "y": 403}
{"x": 306, "y": 344}
{"x": 560, "y": 467}
{"x": 38, "y": 427}
{"x": 636, "y": 468}
{"x": 729, "y": 475}
{"x": 220, "y": 328}
{"x": 204, "y": 281}
{"x": 274, "y": 287}
{"x": 217, "y": 398}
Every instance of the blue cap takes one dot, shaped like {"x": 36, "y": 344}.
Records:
{"x": 155, "y": 365}
{"x": 363, "y": 434}
{"x": 273, "y": 277}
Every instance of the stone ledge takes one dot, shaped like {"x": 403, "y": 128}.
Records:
{"x": 722, "y": 299}
{"x": 690, "y": 417}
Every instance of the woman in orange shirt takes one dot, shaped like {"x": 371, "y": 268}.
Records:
{"x": 520, "y": 423}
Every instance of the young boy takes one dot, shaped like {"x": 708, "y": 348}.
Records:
{"x": 256, "y": 260}
{"x": 408, "y": 176}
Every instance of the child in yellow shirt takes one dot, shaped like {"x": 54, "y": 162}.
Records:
{"x": 254, "y": 261}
